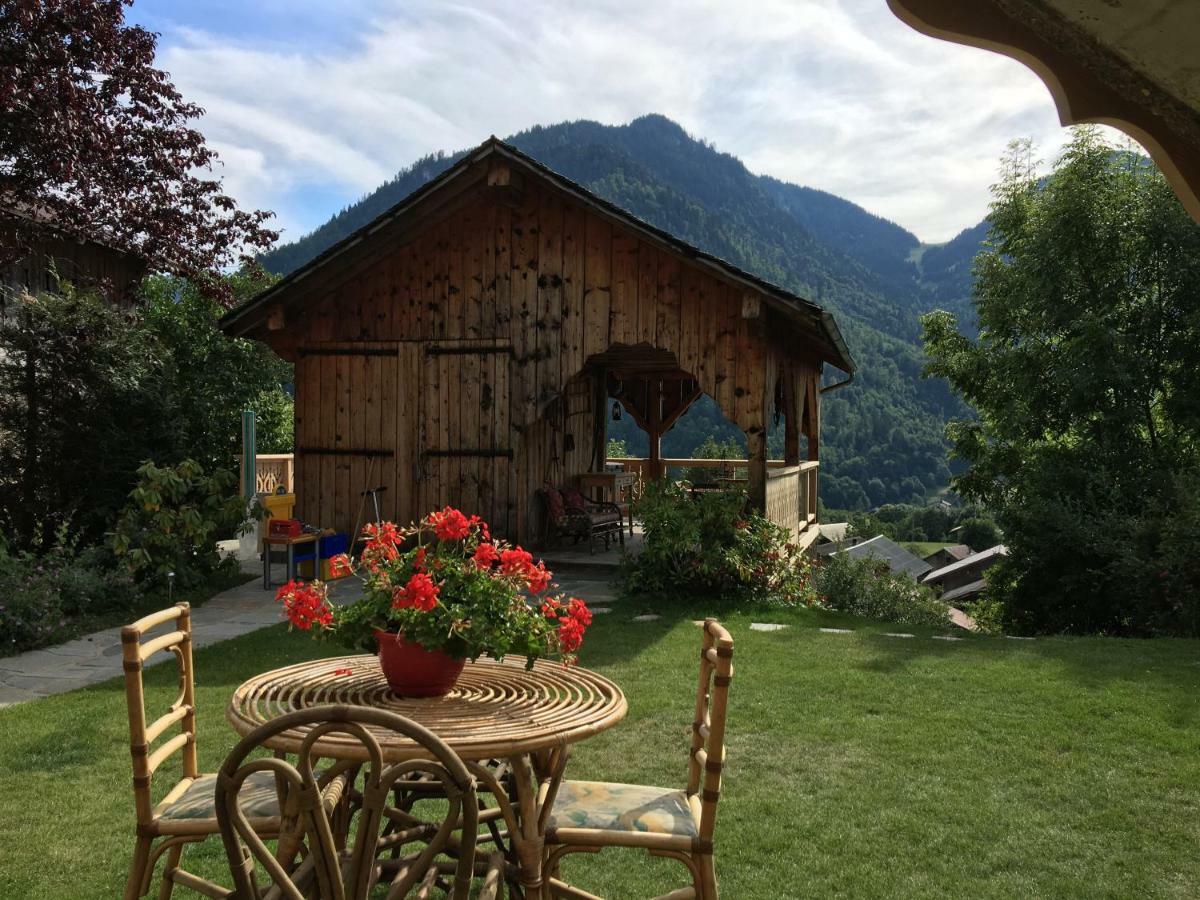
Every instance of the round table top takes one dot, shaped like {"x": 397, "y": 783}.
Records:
{"x": 497, "y": 709}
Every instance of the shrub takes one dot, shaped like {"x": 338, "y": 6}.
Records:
{"x": 173, "y": 520}
{"x": 42, "y": 596}
{"x": 707, "y": 546}
{"x": 867, "y": 588}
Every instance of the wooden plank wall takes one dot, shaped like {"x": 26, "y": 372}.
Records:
{"x": 556, "y": 282}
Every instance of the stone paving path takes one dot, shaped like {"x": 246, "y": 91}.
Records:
{"x": 97, "y": 657}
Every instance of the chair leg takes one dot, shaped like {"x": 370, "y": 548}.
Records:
{"x": 708, "y": 877}
{"x": 137, "y": 869}
{"x": 168, "y": 876}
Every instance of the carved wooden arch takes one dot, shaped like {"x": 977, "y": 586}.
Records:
{"x": 1166, "y": 127}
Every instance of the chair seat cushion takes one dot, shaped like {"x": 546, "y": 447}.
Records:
{"x": 604, "y": 518}
{"x": 622, "y": 807}
{"x": 554, "y": 503}
{"x": 258, "y": 799}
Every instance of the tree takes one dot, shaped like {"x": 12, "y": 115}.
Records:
{"x": 979, "y": 534}
{"x": 1085, "y": 376}
{"x": 89, "y": 391}
{"x": 81, "y": 405}
{"x": 209, "y": 378}
{"x": 96, "y": 143}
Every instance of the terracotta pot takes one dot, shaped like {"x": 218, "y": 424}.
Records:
{"x": 413, "y": 671}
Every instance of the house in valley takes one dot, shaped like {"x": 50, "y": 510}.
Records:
{"x": 944, "y": 556}
{"x": 884, "y": 549}
{"x": 463, "y": 348}
{"x": 963, "y": 580}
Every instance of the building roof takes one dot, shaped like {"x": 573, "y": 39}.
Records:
{"x": 803, "y": 312}
{"x": 954, "y": 551}
{"x": 833, "y": 531}
{"x": 885, "y": 549}
{"x": 984, "y": 557}
{"x": 964, "y": 592}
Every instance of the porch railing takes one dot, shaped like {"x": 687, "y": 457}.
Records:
{"x": 791, "y": 490}
{"x": 272, "y": 470}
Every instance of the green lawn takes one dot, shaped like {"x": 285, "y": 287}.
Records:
{"x": 859, "y": 765}
{"x": 924, "y": 548}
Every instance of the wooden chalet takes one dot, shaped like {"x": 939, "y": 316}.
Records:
{"x": 57, "y": 257}
{"x": 462, "y": 349}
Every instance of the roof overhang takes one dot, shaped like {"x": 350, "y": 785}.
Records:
{"x": 1128, "y": 65}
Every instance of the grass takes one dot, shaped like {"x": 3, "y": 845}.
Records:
{"x": 858, "y": 764}
{"x": 924, "y": 548}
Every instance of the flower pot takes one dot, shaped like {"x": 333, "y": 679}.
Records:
{"x": 413, "y": 671}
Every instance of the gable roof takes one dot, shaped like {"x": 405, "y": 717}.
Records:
{"x": 885, "y": 549}
{"x": 808, "y": 315}
{"x": 955, "y": 552}
{"x": 988, "y": 556}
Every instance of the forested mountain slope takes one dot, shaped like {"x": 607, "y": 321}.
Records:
{"x": 883, "y": 435}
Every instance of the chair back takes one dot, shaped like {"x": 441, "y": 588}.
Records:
{"x": 335, "y": 872}
{"x": 708, "y": 729}
{"x": 136, "y": 649}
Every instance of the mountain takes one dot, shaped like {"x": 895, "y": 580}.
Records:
{"x": 883, "y": 435}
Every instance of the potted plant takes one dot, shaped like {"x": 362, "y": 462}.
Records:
{"x": 436, "y": 594}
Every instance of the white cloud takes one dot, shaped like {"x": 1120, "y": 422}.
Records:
{"x": 836, "y": 95}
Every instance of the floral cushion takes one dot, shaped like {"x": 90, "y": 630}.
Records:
{"x": 258, "y": 798}
{"x": 573, "y": 498}
{"x": 622, "y": 807}
{"x": 554, "y": 502}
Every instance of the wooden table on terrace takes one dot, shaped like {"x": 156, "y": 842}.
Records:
{"x": 498, "y": 710}
{"x": 614, "y": 487}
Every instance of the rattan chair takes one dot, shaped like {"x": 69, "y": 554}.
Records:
{"x": 591, "y": 815}
{"x": 392, "y": 848}
{"x": 186, "y": 814}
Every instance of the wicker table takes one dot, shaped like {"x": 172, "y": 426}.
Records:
{"x": 498, "y": 710}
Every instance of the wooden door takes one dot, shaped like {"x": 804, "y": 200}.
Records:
{"x": 463, "y": 430}
{"x": 347, "y": 406}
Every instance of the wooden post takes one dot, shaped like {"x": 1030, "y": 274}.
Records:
{"x": 655, "y": 431}
{"x": 791, "y": 419}
{"x": 756, "y": 445}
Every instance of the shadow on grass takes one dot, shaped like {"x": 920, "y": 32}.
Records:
{"x": 1170, "y": 667}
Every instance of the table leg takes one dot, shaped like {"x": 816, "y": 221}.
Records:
{"x": 537, "y": 783}
{"x": 266, "y": 566}
{"x": 291, "y": 561}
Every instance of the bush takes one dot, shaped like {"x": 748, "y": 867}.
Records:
{"x": 173, "y": 520}
{"x": 705, "y": 546}
{"x": 42, "y": 596}
{"x": 867, "y": 588}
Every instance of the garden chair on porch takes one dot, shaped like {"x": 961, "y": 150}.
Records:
{"x": 590, "y": 815}
{"x": 186, "y": 814}
{"x": 389, "y": 846}
{"x": 569, "y": 514}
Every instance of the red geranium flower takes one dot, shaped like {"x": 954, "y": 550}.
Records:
{"x": 538, "y": 578}
{"x": 340, "y": 566}
{"x": 450, "y": 524}
{"x": 486, "y": 555}
{"x": 516, "y": 562}
{"x": 420, "y": 592}
{"x": 570, "y": 634}
{"x": 304, "y": 605}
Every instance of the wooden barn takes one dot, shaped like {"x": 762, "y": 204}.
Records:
{"x": 462, "y": 349}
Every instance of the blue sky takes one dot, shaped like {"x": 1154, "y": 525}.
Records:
{"x": 312, "y": 104}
